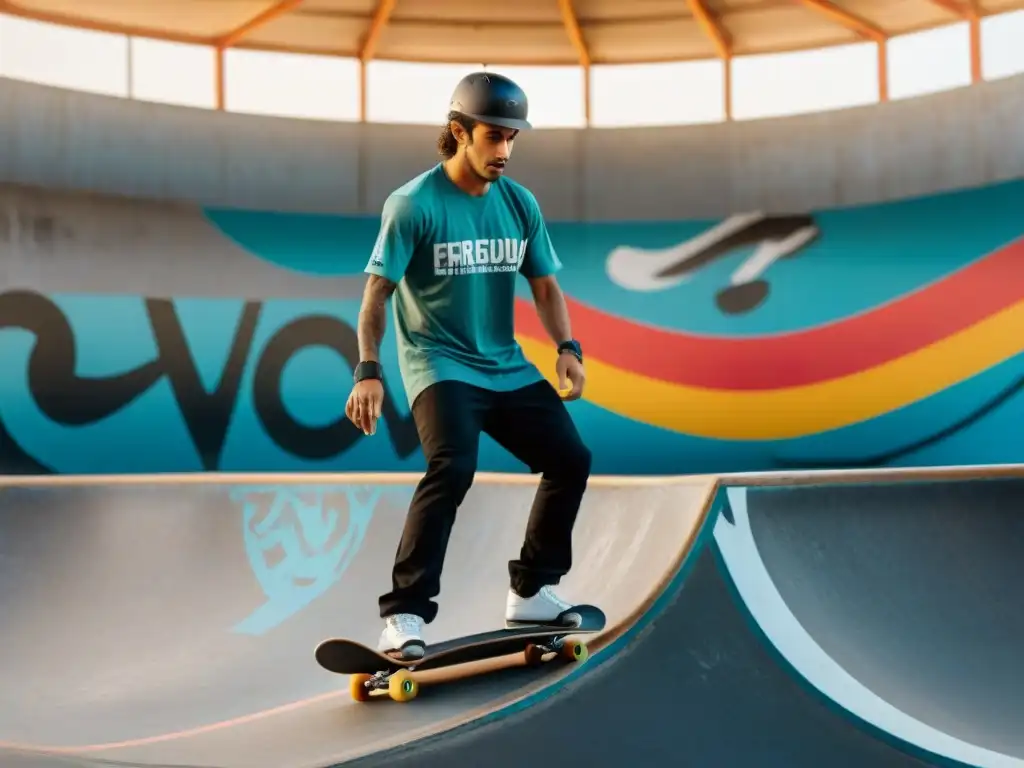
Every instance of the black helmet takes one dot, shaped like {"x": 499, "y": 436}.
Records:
{"x": 492, "y": 99}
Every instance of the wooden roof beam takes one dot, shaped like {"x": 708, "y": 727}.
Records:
{"x": 573, "y": 29}
{"x": 965, "y": 10}
{"x": 866, "y": 30}
{"x": 968, "y": 11}
{"x": 381, "y": 17}
{"x": 722, "y": 41}
{"x": 863, "y": 28}
{"x": 11, "y": 8}
{"x": 368, "y": 48}
{"x": 712, "y": 27}
{"x": 236, "y": 35}
{"x": 575, "y": 32}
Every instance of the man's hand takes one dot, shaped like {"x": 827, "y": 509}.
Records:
{"x": 364, "y": 404}
{"x": 568, "y": 367}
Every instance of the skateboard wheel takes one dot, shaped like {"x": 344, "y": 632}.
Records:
{"x": 357, "y": 687}
{"x": 533, "y": 655}
{"x": 574, "y": 651}
{"x": 402, "y": 686}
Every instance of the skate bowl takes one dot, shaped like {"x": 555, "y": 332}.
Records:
{"x": 828, "y": 618}
{"x": 172, "y": 619}
{"x": 798, "y": 619}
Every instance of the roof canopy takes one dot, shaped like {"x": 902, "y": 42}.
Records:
{"x": 548, "y": 32}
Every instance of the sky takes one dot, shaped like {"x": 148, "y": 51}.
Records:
{"x": 326, "y": 88}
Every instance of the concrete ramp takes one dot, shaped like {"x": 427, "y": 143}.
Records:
{"x": 848, "y": 622}
{"x": 172, "y": 620}
{"x": 899, "y": 603}
{"x": 826, "y": 619}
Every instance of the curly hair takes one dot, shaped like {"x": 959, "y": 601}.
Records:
{"x": 447, "y": 145}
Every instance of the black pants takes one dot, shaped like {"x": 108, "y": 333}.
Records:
{"x": 533, "y": 425}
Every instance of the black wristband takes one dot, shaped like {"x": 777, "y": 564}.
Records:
{"x": 367, "y": 369}
{"x": 573, "y": 347}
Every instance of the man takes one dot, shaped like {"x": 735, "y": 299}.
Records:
{"x": 452, "y": 242}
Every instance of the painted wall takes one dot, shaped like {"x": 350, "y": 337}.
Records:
{"x": 961, "y": 138}
{"x": 143, "y": 336}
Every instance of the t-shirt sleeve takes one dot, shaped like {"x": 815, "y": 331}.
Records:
{"x": 400, "y": 228}
{"x": 540, "y": 259}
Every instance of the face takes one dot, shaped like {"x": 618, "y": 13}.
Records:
{"x": 488, "y": 149}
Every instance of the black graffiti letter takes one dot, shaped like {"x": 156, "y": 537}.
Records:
{"x": 206, "y": 414}
{"x": 65, "y": 397}
{"x": 340, "y": 435}
{"x": 786, "y": 235}
{"x": 61, "y": 394}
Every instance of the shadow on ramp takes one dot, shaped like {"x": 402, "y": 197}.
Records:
{"x": 897, "y": 602}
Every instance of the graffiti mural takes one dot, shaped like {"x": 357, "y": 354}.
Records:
{"x": 864, "y": 336}
{"x": 45, "y": 390}
{"x": 300, "y": 541}
{"x": 772, "y": 238}
{"x": 822, "y": 379}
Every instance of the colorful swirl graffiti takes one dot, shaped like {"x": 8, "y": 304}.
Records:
{"x": 800, "y": 383}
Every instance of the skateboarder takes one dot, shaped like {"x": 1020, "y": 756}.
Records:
{"x": 451, "y": 245}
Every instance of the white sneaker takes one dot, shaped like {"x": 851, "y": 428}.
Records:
{"x": 403, "y": 632}
{"x": 543, "y": 608}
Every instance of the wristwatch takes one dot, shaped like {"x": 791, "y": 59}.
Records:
{"x": 572, "y": 347}
{"x": 368, "y": 369}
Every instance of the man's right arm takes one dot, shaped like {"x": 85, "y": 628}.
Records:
{"x": 373, "y": 317}
{"x": 396, "y": 242}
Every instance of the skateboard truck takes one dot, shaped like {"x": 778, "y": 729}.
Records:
{"x": 400, "y": 685}
{"x": 575, "y": 651}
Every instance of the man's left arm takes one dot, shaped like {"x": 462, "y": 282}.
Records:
{"x": 551, "y": 308}
{"x": 540, "y": 264}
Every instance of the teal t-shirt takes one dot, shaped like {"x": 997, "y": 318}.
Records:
{"x": 455, "y": 258}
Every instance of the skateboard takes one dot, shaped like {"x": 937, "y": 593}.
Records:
{"x": 370, "y": 670}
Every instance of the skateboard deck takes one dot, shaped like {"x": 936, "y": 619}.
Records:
{"x": 372, "y": 670}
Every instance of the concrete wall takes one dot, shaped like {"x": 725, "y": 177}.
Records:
{"x": 167, "y": 302}
{"x": 972, "y": 136}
